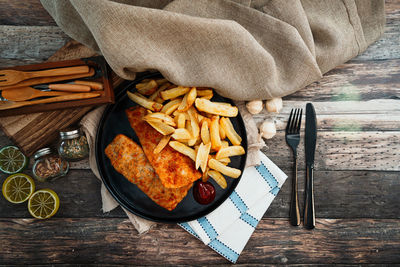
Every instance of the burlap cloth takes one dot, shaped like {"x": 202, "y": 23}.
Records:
{"x": 245, "y": 49}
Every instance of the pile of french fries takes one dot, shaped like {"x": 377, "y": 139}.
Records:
{"x": 192, "y": 125}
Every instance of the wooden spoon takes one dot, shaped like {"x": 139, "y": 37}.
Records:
{"x": 9, "y": 77}
{"x": 27, "y": 93}
{"x": 75, "y": 96}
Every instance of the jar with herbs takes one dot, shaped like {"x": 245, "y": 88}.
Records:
{"x": 73, "y": 145}
{"x": 48, "y": 166}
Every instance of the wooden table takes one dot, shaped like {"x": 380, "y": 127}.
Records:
{"x": 357, "y": 182}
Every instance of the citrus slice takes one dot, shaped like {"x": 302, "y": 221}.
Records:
{"x": 17, "y": 188}
{"x": 43, "y": 204}
{"x": 12, "y": 160}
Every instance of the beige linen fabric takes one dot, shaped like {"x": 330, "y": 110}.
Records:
{"x": 245, "y": 49}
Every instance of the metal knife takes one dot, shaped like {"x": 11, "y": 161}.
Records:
{"x": 310, "y": 144}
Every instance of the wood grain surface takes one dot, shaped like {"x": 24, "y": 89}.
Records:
{"x": 357, "y": 178}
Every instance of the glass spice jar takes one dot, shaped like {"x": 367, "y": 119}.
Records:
{"x": 48, "y": 166}
{"x": 73, "y": 145}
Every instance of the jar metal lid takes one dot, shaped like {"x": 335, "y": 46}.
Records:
{"x": 41, "y": 152}
{"x": 70, "y": 134}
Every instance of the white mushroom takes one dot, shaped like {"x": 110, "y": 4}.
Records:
{"x": 255, "y": 106}
{"x": 274, "y": 105}
{"x": 268, "y": 129}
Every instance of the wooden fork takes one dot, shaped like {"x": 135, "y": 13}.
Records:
{"x": 9, "y": 77}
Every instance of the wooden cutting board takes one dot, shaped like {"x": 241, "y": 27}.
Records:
{"x": 31, "y": 132}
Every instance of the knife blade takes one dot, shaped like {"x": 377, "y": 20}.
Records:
{"x": 310, "y": 145}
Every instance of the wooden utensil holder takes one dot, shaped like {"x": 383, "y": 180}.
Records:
{"x": 102, "y": 75}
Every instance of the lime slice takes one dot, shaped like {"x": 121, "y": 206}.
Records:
{"x": 12, "y": 160}
{"x": 43, "y": 204}
{"x": 17, "y": 188}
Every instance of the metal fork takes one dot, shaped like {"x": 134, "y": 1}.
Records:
{"x": 293, "y": 139}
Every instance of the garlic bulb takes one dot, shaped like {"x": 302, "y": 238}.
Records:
{"x": 274, "y": 105}
{"x": 255, "y": 106}
{"x": 268, "y": 129}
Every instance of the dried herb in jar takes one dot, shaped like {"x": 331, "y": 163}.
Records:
{"x": 73, "y": 145}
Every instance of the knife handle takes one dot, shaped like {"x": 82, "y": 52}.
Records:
{"x": 69, "y": 87}
{"x": 294, "y": 213}
{"x": 309, "y": 212}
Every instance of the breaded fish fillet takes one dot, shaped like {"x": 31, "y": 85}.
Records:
{"x": 174, "y": 169}
{"x": 128, "y": 159}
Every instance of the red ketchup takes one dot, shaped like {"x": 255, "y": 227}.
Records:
{"x": 203, "y": 192}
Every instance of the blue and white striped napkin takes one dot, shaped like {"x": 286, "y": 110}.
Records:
{"x": 228, "y": 228}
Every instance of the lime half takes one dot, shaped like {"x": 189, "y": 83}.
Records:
{"x": 12, "y": 160}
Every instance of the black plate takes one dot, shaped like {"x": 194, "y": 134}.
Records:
{"x": 113, "y": 122}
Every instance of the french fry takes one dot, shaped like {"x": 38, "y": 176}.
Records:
{"x": 147, "y": 88}
{"x": 161, "y": 127}
{"x": 161, "y": 117}
{"x": 225, "y": 161}
{"x": 159, "y": 100}
{"x": 221, "y": 131}
{"x": 230, "y": 131}
{"x": 202, "y": 156}
{"x": 216, "y": 108}
{"x": 157, "y": 93}
{"x": 229, "y": 152}
{"x": 176, "y": 113}
{"x": 174, "y": 92}
{"x": 224, "y": 144}
{"x": 181, "y": 120}
{"x": 214, "y": 133}
{"x": 161, "y": 81}
{"x": 171, "y": 106}
{"x": 205, "y": 133}
{"x": 204, "y": 92}
{"x": 228, "y": 171}
{"x": 144, "y": 102}
{"x": 200, "y": 118}
{"x": 193, "y": 122}
{"x": 218, "y": 178}
{"x": 204, "y": 178}
{"x": 163, "y": 142}
{"x": 184, "y": 149}
{"x": 181, "y": 133}
{"x": 188, "y": 100}
{"x": 207, "y": 97}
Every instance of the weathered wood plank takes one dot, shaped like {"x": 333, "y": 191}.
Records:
{"x": 343, "y": 151}
{"x": 84, "y": 241}
{"x": 338, "y": 194}
{"x": 30, "y": 42}
{"x": 344, "y": 194}
{"x": 380, "y": 49}
{"x": 219, "y": 265}
{"x": 28, "y": 13}
{"x": 343, "y": 122}
{"x": 355, "y": 81}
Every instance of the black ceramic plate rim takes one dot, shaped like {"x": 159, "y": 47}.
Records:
{"x": 99, "y": 154}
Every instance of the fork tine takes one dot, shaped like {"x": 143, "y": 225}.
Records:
{"x": 294, "y": 121}
{"x": 299, "y": 124}
{"x": 289, "y": 121}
